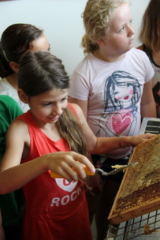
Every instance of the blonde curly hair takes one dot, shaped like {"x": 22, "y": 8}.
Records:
{"x": 96, "y": 19}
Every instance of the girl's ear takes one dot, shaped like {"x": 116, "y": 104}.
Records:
{"x": 101, "y": 42}
{"x": 23, "y": 97}
{"x": 14, "y": 66}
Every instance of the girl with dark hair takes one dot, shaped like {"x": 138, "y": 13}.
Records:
{"x": 52, "y": 136}
{"x": 150, "y": 38}
{"x": 15, "y": 41}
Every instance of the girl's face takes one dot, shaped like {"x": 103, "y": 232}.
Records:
{"x": 119, "y": 38}
{"x": 40, "y": 44}
{"x": 124, "y": 93}
{"x": 47, "y": 107}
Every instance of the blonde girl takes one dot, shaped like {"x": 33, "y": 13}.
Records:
{"x": 110, "y": 57}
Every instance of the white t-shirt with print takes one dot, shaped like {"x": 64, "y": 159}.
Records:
{"x": 7, "y": 89}
{"x": 113, "y": 91}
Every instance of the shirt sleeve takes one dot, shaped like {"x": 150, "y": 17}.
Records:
{"x": 9, "y": 110}
{"x": 79, "y": 87}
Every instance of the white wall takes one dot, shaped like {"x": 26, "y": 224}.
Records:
{"x": 137, "y": 9}
{"x": 62, "y": 23}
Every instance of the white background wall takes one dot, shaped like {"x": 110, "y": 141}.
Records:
{"x": 62, "y": 23}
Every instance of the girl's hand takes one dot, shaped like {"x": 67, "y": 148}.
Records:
{"x": 135, "y": 140}
{"x": 63, "y": 163}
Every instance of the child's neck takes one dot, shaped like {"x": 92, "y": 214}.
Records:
{"x": 50, "y": 130}
{"x": 12, "y": 79}
{"x": 102, "y": 55}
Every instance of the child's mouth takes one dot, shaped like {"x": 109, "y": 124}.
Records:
{"x": 55, "y": 118}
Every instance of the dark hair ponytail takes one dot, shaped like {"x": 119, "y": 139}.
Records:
{"x": 15, "y": 41}
{"x": 5, "y": 68}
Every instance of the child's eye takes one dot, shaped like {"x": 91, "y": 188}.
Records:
{"x": 131, "y": 21}
{"x": 121, "y": 30}
{"x": 63, "y": 99}
{"x": 49, "y": 49}
{"x": 46, "y": 104}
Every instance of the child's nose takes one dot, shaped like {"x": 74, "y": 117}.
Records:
{"x": 57, "y": 109}
{"x": 130, "y": 30}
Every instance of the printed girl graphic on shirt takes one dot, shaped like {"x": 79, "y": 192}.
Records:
{"x": 122, "y": 92}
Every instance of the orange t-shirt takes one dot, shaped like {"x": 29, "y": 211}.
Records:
{"x": 56, "y": 209}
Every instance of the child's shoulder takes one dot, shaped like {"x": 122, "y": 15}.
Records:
{"x": 75, "y": 108}
{"x": 137, "y": 51}
{"x": 84, "y": 65}
{"x": 8, "y": 101}
{"x": 18, "y": 124}
{"x": 79, "y": 112}
{"x": 9, "y": 108}
{"x": 18, "y": 129}
{"x": 137, "y": 54}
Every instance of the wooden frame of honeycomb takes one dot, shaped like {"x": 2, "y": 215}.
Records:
{"x": 139, "y": 192}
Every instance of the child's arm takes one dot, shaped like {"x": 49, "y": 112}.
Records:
{"x": 148, "y": 107}
{"x": 106, "y": 144}
{"x": 14, "y": 175}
